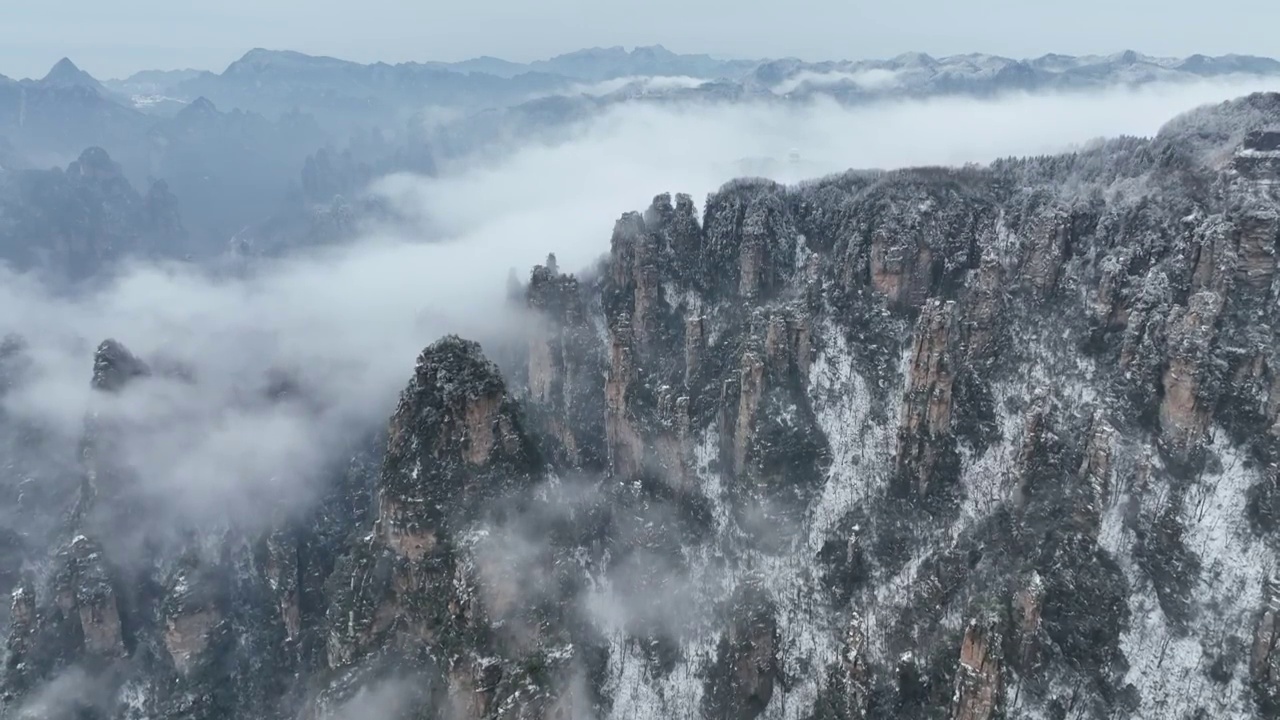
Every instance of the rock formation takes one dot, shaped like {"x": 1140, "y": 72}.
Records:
{"x": 991, "y": 442}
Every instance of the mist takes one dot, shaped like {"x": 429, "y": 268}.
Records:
{"x": 871, "y": 79}
{"x": 390, "y": 699}
{"x": 346, "y": 323}
{"x": 644, "y": 84}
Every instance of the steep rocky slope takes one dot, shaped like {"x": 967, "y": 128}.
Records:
{"x": 954, "y": 443}
{"x": 75, "y": 223}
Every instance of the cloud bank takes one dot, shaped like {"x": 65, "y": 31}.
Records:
{"x": 347, "y": 322}
{"x": 868, "y": 79}
{"x": 642, "y": 84}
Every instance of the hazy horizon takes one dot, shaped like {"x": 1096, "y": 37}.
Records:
{"x": 218, "y": 69}
{"x": 124, "y": 38}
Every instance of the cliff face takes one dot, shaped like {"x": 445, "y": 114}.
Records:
{"x": 984, "y": 442}
{"x": 73, "y": 223}
{"x": 965, "y": 444}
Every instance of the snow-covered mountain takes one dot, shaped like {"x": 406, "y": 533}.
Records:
{"x": 269, "y": 81}
{"x": 991, "y": 442}
{"x": 914, "y": 74}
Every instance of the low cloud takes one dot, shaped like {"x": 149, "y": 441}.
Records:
{"x": 638, "y": 83}
{"x": 868, "y": 79}
{"x": 657, "y": 83}
{"x": 347, "y": 322}
{"x": 71, "y": 693}
{"x": 387, "y": 700}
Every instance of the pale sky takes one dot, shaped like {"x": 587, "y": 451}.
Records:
{"x": 117, "y": 37}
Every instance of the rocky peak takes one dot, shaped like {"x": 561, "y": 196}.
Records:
{"x": 555, "y": 294}
{"x": 1126, "y": 57}
{"x": 456, "y": 439}
{"x": 64, "y": 73}
{"x": 422, "y": 584}
{"x": 197, "y": 112}
{"x": 146, "y": 610}
{"x": 748, "y": 249}
{"x": 114, "y": 366}
{"x": 259, "y": 60}
{"x": 78, "y": 619}
{"x": 453, "y": 403}
{"x": 914, "y": 60}
{"x": 96, "y": 165}
{"x": 94, "y": 598}
{"x": 73, "y": 223}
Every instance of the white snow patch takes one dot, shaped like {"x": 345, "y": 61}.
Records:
{"x": 842, "y": 404}
{"x": 803, "y": 253}
{"x": 637, "y": 693}
{"x": 704, "y": 454}
{"x": 1170, "y": 671}
{"x": 986, "y": 479}
{"x": 133, "y": 699}
{"x": 143, "y": 102}
{"x": 677, "y": 298}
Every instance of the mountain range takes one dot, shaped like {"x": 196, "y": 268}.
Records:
{"x": 232, "y": 145}
{"x": 270, "y": 82}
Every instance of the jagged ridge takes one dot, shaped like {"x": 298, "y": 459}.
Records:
{"x": 958, "y": 443}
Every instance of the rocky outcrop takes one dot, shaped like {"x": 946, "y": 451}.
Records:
{"x": 1046, "y": 333}
{"x": 626, "y": 449}
{"x": 89, "y": 594}
{"x": 977, "y": 692}
{"x": 982, "y": 310}
{"x": 1187, "y": 383}
{"x": 455, "y": 440}
{"x": 1048, "y": 238}
{"x": 563, "y": 367}
{"x": 742, "y": 679}
{"x": 1028, "y": 610}
{"x": 191, "y": 610}
{"x": 22, "y": 641}
{"x": 74, "y": 223}
{"x": 1095, "y": 474}
{"x": 1264, "y": 660}
{"x": 283, "y": 579}
{"x": 926, "y": 448}
{"x": 114, "y": 366}
{"x": 422, "y": 582}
